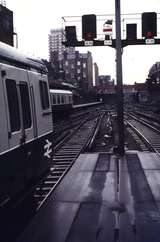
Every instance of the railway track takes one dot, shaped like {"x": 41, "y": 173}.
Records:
{"x": 20, "y": 212}
{"x": 102, "y": 140}
{"x": 150, "y": 115}
{"x": 65, "y": 154}
{"x": 149, "y": 118}
{"x": 145, "y": 134}
{"x": 63, "y": 127}
{"x": 68, "y": 150}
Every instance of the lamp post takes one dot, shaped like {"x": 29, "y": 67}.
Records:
{"x": 119, "y": 91}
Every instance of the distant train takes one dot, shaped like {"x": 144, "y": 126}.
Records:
{"x": 62, "y": 102}
{"x": 26, "y": 125}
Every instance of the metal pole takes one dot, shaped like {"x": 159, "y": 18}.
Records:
{"x": 119, "y": 79}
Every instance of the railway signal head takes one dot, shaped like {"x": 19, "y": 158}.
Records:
{"x": 70, "y": 32}
{"x": 131, "y": 31}
{"x": 89, "y": 28}
{"x": 149, "y": 25}
{"x": 6, "y": 29}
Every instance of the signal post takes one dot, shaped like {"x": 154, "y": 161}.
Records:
{"x": 89, "y": 38}
{"x": 120, "y": 113}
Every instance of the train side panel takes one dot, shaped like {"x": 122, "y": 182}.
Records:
{"x": 25, "y": 129}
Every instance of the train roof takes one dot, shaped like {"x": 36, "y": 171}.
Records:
{"x": 11, "y": 55}
{"x": 60, "y": 91}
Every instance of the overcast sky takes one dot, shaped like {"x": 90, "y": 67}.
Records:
{"x": 33, "y": 20}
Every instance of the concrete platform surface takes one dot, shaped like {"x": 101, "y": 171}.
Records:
{"x": 103, "y": 198}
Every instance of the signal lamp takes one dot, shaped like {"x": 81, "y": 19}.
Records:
{"x": 70, "y": 32}
{"x": 131, "y": 31}
{"x": 149, "y": 34}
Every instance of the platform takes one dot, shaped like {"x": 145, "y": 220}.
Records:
{"x": 94, "y": 204}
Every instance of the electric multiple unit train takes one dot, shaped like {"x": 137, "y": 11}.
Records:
{"x": 26, "y": 124}
{"x": 27, "y": 109}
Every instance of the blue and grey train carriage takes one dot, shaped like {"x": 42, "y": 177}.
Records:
{"x": 26, "y": 124}
{"x": 62, "y": 102}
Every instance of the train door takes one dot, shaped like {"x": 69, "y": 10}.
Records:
{"x": 19, "y": 115}
{"x": 44, "y": 122}
{"x": 43, "y": 112}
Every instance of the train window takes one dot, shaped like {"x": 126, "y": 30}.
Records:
{"x": 13, "y": 105}
{"x": 26, "y": 111}
{"x": 62, "y": 98}
{"x": 66, "y": 99}
{"x": 70, "y": 99}
{"x": 58, "y": 99}
{"x": 44, "y": 94}
{"x": 53, "y": 99}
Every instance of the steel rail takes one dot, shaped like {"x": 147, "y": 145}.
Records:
{"x": 143, "y": 138}
{"x": 144, "y": 122}
{"x": 98, "y": 124}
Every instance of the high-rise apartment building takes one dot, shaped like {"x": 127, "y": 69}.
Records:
{"x": 56, "y": 48}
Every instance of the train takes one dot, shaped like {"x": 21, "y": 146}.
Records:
{"x": 62, "y": 103}
{"x": 28, "y": 108}
{"x": 26, "y": 122}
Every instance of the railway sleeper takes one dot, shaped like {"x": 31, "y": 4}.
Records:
{"x": 72, "y": 146}
{"x": 69, "y": 153}
{"x": 64, "y": 160}
{"x": 50, "y": 183}
{"x": 57, "y": 173}
{"x": 69, "y": 148}
{"x": 62, "y": 165}
{"x": 64, "y": 156}
{"x": 59, "y": 168}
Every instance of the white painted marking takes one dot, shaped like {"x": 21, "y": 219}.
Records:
{"x": 88, "y": 43}
{"x": 107, "y": 42}
{"x": 150, "y": 41}
{"x": 48, "y": 149}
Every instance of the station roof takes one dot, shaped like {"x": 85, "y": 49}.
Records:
{"x": 59, "y": 91}
{"x": 60, "y": 84}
